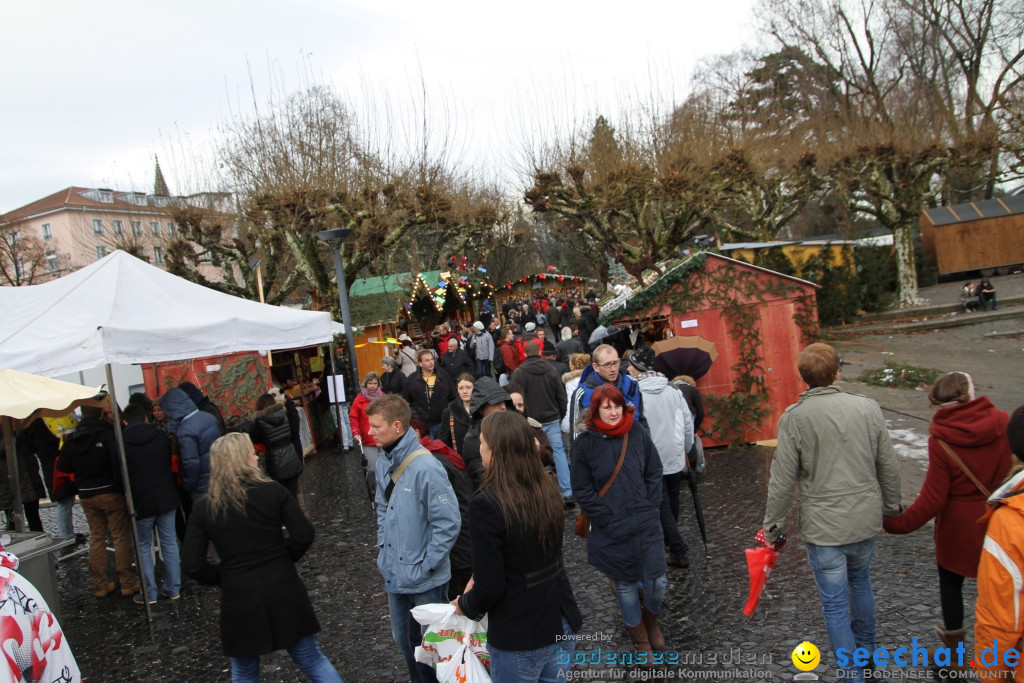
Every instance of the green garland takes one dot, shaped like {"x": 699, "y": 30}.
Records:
{"x": 746, "y": 407}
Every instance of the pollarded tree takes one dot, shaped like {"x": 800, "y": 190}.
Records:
{"x": 638, "y": 197}
{"x": 304, "y": 165}
{"x": 887, "y": 149}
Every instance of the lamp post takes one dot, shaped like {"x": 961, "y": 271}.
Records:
{"x": 336, "y": 239}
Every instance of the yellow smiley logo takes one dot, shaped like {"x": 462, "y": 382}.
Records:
{"x": 806, "y": 656}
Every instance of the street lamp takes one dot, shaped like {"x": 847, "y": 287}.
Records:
{"x": 336, "y": 239}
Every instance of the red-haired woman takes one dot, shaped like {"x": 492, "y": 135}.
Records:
{"x": 625, "y": 540}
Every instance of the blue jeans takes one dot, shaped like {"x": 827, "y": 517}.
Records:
{"x": 843, "y": 576}
{"x": 164, "y": 524}
{"x": 408, "y": 633}
{"x": 65, "y": 517}
{"x": 545, "y": 665}
{"x": 626, "y": 592}
{"x": 435, "y": 431}
{"x": 553, "y": 430}
{"x": 307, "y": 656}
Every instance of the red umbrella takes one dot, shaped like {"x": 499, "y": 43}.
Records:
{"x": 760, "y": 562}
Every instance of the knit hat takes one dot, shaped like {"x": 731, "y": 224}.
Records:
{"x": 1015, "y": 432}
{"x": 404, "y": 337}
{"x": 479, "y": 326}
{"x": 530, "y": 327}
{"x": 642, "y": 359}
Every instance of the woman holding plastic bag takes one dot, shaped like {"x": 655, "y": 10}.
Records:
{"x": 519, "y": 579}
{"x": 264, "y": 604}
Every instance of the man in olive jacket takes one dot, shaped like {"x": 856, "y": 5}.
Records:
{"x": 835, "y": 447}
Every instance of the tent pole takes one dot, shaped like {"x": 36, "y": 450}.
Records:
{"x": 119, "y": 435}
{"x": 13, "y": 477}
{"x": 337, "y": 403}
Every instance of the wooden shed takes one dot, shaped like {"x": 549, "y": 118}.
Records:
{"x": 986, "y": 235}
{"x": 758, "y": 321}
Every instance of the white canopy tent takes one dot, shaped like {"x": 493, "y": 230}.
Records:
{"x": 123, "y": 310}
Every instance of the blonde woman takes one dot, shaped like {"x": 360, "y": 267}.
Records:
{"x": 264, "y": 604}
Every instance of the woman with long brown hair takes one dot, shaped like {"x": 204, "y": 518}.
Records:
{"x": 625, "y": 541}
{"x": 519, "y": 579}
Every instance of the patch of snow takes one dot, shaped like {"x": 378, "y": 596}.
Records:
{"x": 908, "y": 443}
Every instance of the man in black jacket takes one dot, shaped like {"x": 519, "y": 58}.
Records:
{"x": 428, "y": 392}
{"x": 90, "y": 453}
{"x": 456, "y": 361}
{"x": 546, "y": 402}
{"x": 148, "y": 452}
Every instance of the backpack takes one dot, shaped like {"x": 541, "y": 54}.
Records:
{"x": 499, "y": 363}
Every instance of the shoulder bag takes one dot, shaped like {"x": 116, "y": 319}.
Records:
{"x": 582, "y": 521}
{"x": 963, "y": 468}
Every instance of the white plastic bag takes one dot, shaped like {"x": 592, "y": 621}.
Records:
{"x": 455, "y": 645}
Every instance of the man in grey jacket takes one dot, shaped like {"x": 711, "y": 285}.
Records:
{"x": 418, "y": 521}
{"x": 835, "y": 448}
{"x": 483, "y": 344}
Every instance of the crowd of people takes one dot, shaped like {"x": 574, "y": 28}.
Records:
{"x": 472, "y": 477}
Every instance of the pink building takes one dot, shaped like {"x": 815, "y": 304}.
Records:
{"x": 78, "y": 225}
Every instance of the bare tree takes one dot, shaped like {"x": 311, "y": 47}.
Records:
{"x": 22, "y": 255}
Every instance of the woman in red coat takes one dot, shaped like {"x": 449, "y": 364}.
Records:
{"x": 976, "y": 431}
{"x": 361, "y": 428}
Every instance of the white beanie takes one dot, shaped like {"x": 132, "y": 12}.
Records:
{"x": 479, "y": 326}
{"x": 530, "y": 327}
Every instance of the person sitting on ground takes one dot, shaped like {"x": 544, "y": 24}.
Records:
{"x": 986, "y": 295}
{"x": 967, "y": 297}
{"x": 264, "y": 604}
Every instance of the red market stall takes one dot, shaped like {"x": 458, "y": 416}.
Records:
{"x": 756, "y": 320}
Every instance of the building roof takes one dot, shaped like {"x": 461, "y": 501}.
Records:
{"x": 89, "y": 198}
{"x": 974, "y": 211}
{"x": 632, "y": 301}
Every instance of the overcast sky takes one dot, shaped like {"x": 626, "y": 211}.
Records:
{"x": 92, "y": 90}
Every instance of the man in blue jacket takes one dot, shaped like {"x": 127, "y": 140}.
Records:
{"x": 418, "y": 521}
{"x": 605, "y": 368}
{"x": 196, "y": 432}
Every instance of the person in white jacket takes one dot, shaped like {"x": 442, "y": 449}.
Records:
{"x": 672, "y": 432}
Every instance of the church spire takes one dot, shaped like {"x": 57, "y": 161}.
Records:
{"x": 159, "y": 184}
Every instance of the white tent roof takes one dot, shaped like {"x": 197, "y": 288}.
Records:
{"x": 123, "y": 310}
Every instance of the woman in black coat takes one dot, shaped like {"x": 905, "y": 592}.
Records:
{"x": 519, "y": 578}
{"x": 455, "y": 420}
{"x": 273, "y": 429}
{"x": 264, "y": 604}
{"x": 625, "y": 541}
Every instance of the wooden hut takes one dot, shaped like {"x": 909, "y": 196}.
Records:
{"x": 757, "y": 320}
{"x": 377, "y": 306}
{"x": 554, "y": 285}
{"x": 987, "y": 236}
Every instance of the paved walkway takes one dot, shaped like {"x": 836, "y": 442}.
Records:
{"x": 702, "y": 616}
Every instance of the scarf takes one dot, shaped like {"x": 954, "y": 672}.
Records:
{"x": 370, "y": 395}
{"x": 618, "y": 429}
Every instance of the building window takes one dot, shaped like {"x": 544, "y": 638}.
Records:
{"x": 19, "y": 268}
{"x": 13, "y": 238}
{"x": 97, "y": 226}
{"x": 154, "y": 227}
{"x": 118, "y": 227}
{"x": 101, "y": 250}
{"x": 51, "y": 261}
{"x": 158, "y": 254}
{"x": 47, "y": 233}
{"x": 106, "y": 196}
{"x": 137, "y": 228}
{"x": 170, "y": 229}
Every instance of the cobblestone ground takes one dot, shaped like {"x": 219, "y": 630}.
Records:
{"x": 702, "y": 615}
